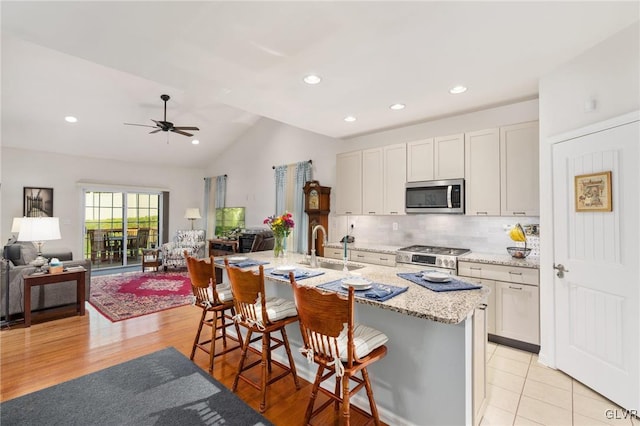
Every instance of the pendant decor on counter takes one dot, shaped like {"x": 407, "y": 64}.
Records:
{"x": 281, "y": 227}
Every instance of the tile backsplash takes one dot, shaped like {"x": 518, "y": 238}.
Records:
{"x": 480, "y": 234}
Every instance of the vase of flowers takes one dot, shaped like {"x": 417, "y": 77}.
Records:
{"x": 281, "y": 227}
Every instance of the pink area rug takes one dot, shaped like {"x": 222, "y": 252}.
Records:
{"x": 133, "y": 294}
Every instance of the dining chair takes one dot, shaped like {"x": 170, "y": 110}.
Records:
{"x": 263, "y": 315}
{"x": 334, "y": 341}
{"x": 215, "y": 299}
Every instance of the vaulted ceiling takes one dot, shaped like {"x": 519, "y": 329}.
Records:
{"x": 226, "y": 64}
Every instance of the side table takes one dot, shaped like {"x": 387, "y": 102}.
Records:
{"x": 44, "y": 279}
{"x": 150, "y": 259}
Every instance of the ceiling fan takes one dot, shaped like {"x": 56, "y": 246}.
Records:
{"x": 164, "y": 125}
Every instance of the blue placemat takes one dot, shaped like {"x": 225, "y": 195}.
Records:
{"x": 244, "y": 264}
{"x": 379, "y": 292}
{"x": 299, "y": 274}
{"x": 453, "y": 285}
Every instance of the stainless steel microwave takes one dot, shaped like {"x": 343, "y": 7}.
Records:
{"x": 435, "y": 196}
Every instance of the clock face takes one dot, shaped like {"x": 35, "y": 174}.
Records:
{"x": 314, "y": 202}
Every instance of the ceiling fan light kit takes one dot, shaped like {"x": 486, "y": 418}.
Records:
{"x": 164, "y": 125}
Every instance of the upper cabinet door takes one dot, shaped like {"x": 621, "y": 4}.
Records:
{"x": 449, "y": 157}
{"x": 420, "y": 160}
{"x": 349, "y": 183}
{"x": 482, "y": 172}
{"x": 372, "y": 181}
{"x": 395, "y": 178}
{"x": 520, "y": 193}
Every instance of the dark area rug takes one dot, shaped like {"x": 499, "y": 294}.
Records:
{"x": 163, "y": 388}
{"x": 133, "y": 294}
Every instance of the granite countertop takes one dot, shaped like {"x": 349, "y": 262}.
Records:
{"x": 376, "y": 248}
{"x": 500, "y": 259}
{"x": 450, "y": 307}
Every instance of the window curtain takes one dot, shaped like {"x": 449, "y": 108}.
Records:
{"x": 302, "y": 175}
{"x": 290, "y": 180}
{"x": 215, "y": 195}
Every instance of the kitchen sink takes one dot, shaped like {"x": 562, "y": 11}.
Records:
{"x": 335, "y": 266}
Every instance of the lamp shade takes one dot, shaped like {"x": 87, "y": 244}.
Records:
{"x": 15, "y": 226}
{"x": 192, "y": 213}
{"x": 39, "y": 229}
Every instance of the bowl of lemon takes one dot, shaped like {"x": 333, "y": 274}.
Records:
{"x": 516, "y": 233}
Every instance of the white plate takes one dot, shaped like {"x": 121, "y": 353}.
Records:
{"x": 357, "y": 283}
{"x": 438, "y": 277}
{"x": 284, "y": 269}
{"x": 237, "y": 259}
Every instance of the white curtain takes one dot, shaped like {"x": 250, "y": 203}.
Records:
{"x": 214, "y": 196}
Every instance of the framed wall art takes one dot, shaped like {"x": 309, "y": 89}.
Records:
{"x": 37, "y": 202}
{"x": 593, "y": 192}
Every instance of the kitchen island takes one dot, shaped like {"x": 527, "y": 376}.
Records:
{"x": 434, "y": 372}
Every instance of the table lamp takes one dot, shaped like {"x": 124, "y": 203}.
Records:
{"x": 192, "y": 214}
{"x": 15, "y": 228}
{"x": 38, "y": 230}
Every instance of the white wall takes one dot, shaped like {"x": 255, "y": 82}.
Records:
{"x": 609, "y": 73}
{"x": 22, "y": 168}
{"x": 248, "y": 164}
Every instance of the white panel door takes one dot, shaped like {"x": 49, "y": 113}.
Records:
{"x": 482, "y": 172}
{"x": 395, "y": 178}
{"x": 448, "y": 157}
{"x": 372, "y": 181}
{"x": 349, "y": 183}
{"x": 596, "y": 302}
{"x": 420, "y": 160}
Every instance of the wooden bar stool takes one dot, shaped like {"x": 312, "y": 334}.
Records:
{"x": 264, "y": 315}
{"x": 334, "y": 341}
{"x": 216, "y": 300}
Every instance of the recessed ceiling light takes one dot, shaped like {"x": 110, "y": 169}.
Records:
{"x": 457, "y": 89}
{"x": 397, "y": 107}
{"x": 70, "y": 119}
{"x": 349, "y": 118}
{"x": 195, "y": 141}
{"x": 312, "y": 79}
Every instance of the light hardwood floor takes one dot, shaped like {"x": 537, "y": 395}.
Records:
{"x": 51, "y": 352}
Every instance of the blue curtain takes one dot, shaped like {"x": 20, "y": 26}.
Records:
{"x": 221, "y": 191}
{"x": 303, "y": 174}
{"x": 281, "y": 188}
{"x": 209, "y": 216}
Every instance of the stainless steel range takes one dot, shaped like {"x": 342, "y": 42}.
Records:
{"x": 444, "y": 259}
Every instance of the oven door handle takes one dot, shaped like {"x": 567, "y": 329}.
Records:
{"x": 449, "y": 189}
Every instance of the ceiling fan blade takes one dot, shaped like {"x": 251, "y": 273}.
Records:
{"x": 181, "y": 132}
{"x": 141, "y": 125}
{"x": 185, "y": 128}
{"x": 155, "y": 131}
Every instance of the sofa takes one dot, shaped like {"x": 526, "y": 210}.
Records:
{"x": 19, "y": 254}
{"x": 191, "y": 240}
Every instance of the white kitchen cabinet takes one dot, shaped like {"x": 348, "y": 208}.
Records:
{"x": 372, "y": 181}
{"x": 517, "y": 312}
{"x": 349, "y": 183}
{"x": 448, "y": 157}
{"x": 420, "y": 160}
{"x": 519, "y": 171}
{"x": 482, "y": 172}
{"x": 395, "y": 178}
{"x": 479, "y": 381}
{"x": 513, "y": 305}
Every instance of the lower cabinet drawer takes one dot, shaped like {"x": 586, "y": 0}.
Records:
{"x": 384, "y": 259}
{"x": 514, "y": 274}
{"x": 333, "y": 253}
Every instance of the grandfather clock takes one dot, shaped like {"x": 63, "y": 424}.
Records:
{"x": 316, "y": 205}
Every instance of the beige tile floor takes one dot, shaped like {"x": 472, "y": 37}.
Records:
{"x": 523, "y": 392}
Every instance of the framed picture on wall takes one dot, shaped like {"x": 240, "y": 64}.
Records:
{"x": 37, "y": 202}
{"x": 593, "y": 192}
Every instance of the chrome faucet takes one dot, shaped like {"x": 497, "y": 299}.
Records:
{"x": 313, "y": 263}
